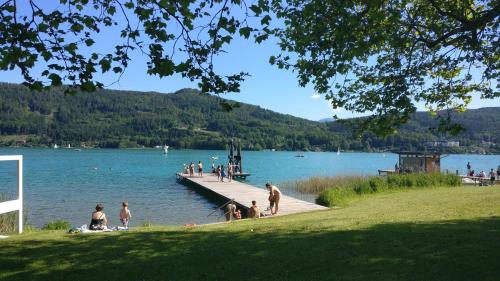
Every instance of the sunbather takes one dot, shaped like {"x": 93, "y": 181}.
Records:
{"x": 99, "y": 220}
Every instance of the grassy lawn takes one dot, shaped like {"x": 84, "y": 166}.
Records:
{"x": 427, "y": 234}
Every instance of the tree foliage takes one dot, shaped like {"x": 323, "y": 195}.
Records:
{"x": 384, "y": 56}
{"x": 381, "y": 56}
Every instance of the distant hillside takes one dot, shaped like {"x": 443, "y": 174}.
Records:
{"x": 187, "y": 119}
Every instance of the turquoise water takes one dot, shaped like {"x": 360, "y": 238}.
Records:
{"x": 66, "y": 184}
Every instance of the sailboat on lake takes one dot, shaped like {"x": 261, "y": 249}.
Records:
{"x": 165, "y": 149}
{"x": 338, "y": 150}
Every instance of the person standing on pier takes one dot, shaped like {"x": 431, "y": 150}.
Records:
{"x": 468, "y": 168}
{"x": 222, "y": 173}
{"x": 492, "y": 177}
{"x": 230, "y": 171}
{"x": 275, "y": 193}
{"x": 217, "y": 172}
{"x": 200, "y": 169}
{"x": 191, "y": 169}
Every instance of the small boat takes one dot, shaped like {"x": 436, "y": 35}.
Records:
{"x": 338, "y": 150}
{"x": 78, "y": 149}
{"x": 55, "y": 146}
{"x": 165, "y": 149}
{"x": 300, "y": 154}
{"x": 69, "y": 145}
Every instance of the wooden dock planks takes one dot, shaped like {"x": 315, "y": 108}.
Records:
{"x": 243, "y": 194}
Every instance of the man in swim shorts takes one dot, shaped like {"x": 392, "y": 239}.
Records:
{"x": 276, "y": 195}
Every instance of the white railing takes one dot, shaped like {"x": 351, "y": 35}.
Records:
{"x": 15, "y": 205}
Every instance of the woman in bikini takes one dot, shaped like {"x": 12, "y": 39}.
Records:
{"x": 99, "y": 220}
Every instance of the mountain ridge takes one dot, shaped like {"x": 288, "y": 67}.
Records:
{"x": 188, "y": 119}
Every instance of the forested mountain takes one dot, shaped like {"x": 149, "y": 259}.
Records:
{"x": 187, "y": 119}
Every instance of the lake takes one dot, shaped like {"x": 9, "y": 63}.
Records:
{"x": 66, "y": 184}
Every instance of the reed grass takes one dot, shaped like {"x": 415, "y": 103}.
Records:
{"x": 339, "y": 191}
{"x": 8, "y": 221}
{"x": 316, "y": 185}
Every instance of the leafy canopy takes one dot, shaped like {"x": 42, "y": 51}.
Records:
{"x": 381, "y": 56}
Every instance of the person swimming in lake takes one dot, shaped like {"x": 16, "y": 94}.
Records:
{"x": 237, "y": 215}
{"x": 125, "y": 214}
{"x": 231, "y": 211}
{"x": 274, "y": 194}
{"x": 99, "y": 220}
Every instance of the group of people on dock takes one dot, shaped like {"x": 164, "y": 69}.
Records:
{"x": 232, "y": 212}
{"x": 220, "y": 171}
{"x": 99, "y": 221}
{"x": 493, "y": 175}
{"x": 190, "y": 169}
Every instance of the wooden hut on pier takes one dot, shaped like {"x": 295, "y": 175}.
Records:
{"x": 419, "y": 162}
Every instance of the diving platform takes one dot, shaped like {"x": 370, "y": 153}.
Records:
{"x": 243, "y": 194}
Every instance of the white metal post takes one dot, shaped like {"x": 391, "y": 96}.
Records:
{"x": 15, "y": 205}
{"x": 20, "y": 192}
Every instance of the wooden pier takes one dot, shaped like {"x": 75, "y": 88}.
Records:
{"x": 243, "y": 194}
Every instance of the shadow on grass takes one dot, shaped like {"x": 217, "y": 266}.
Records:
{"x": 448, "y": 250}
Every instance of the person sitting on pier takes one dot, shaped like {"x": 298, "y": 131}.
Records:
{"x": 99, "y": 220}
{"x": 253, "y": 212}
{"x": 276, "y": 195}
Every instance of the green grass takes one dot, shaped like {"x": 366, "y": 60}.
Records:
{"x": 422, "y": 234}
{"x": 57, "y": 225}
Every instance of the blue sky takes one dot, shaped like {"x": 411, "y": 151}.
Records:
{"x": 268, "y": 86}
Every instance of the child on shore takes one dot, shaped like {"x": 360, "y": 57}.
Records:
{"x": 125, "y": 214}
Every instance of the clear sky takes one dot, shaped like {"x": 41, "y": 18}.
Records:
{"x": 268, "y": 86}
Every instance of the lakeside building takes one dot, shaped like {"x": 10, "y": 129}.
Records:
{"x": 419, "y": 162}
{"x": 442, "y": 144}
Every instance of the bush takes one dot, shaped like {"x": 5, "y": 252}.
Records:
{"x": 342, "y": 191}
{"x": 57, "y": 225}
